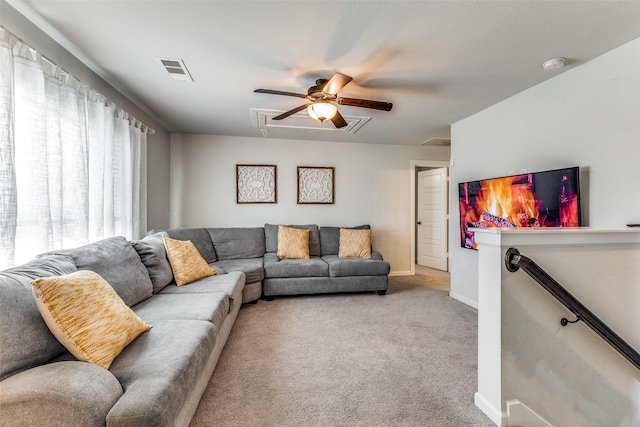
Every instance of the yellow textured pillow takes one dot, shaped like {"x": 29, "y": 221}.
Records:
{"x": 293, "y": 243}
{"x": 87, "y": 316}
{"x": 186, "y": 262}
{"x": 354, "y": 243}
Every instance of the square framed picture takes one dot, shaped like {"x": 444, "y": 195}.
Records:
{"x": 256, "y": 184}
{"x": 316, "y": 185}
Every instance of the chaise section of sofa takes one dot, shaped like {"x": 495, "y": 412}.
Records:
{"x": 161, "y": 372}
{"x": 191, "y": 324}
{"x": 157, "y": 380}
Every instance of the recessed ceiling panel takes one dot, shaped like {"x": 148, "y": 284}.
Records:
{"x": 263, "y": 119}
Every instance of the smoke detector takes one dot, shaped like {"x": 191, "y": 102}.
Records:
{"x": 553, "y": 64}
{"x": 176, "y": 69}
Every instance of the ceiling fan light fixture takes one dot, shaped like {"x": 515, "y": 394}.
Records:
{"x": 322, "y": 111}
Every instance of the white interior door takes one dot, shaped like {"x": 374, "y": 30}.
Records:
{"x": 432, "y": 219}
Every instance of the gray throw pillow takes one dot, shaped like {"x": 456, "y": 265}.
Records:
{"x": 154, "y": 256}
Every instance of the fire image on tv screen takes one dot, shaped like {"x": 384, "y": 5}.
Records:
{"x": 540, "y": 199}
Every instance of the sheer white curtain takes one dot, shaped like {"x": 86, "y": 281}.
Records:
{"x": 71, "y": 163}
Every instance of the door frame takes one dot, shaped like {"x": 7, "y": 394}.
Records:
{"x": 414, "y": 164}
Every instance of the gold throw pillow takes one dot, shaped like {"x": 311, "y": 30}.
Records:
{"x": 354, "y": 243}
{"x": 87, "y": 316}
{"x": 293, "y": 243}
{"x": 186, "y": 262}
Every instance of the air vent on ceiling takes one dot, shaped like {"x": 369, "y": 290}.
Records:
{"x": 176, "y": 69}
{"x": 438, "y": 142}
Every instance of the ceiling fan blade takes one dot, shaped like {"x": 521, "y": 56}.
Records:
{"x": 365, "y": 103}
{"x": 335, "y": 83}
{"x": 338, "y": 120}
{"x": 279, "y": 92}
{"x": 290, "y": 112}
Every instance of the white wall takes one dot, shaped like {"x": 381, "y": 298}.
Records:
{"x": 588, "y": 116}
{"x": 372, "y": 184}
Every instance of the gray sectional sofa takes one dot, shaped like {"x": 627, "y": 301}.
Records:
{"x": 159, "y": 378}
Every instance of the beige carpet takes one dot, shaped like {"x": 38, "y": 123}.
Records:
{"x": 405, "y": 359}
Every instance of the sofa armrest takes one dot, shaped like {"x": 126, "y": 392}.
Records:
{"x": 62, "y": 393}
{"x": 376, "y": 255}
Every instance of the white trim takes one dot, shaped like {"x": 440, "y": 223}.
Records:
{"x": 402, "y": 273}
{"x": 412, "y": 169}
{"x": 464, "y": 299}
{"x": 520, "y": 414}
{"x": 498, "y": 417}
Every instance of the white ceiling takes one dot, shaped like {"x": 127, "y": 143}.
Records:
{"x": 436, "y": 61}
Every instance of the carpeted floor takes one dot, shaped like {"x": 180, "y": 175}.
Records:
{"x": 405, "y": 359}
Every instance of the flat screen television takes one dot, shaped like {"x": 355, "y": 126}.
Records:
{"x": 540, "y": 199}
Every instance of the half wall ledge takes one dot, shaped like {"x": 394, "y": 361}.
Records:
{"x": 568, "y": 376}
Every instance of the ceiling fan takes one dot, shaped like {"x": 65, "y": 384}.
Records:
{"x": 323, "y": 96}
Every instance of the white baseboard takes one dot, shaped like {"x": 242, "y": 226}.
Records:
{"x": 401, "y": 273}
{"x": 490, "y": 411}
{"x": 520, "y": 415}
{"x": 464, "y": 299}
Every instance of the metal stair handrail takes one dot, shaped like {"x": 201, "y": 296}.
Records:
{"x": 514, "y": 261}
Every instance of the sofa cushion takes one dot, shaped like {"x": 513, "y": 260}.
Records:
{"x": 25, "y": 339}
{"x": 156, "y": 376}
{"x": 186, "y": 262}
{"x": 130, "y": 280}
{"x": 293, "y": 243}
{"x": 252, "y": 268}
{"x": 87, "y": 316}
{"x": 346, "y": 267}
{"x": 354, "y": 243}
{"x": 154, "y": 257}
{"x": 275, "y": 267}
{"x": 238, "y": 243}
{"x": 230, "y": 284}
{"x": 330, "y": 238}
{"x": 199, "y": 237}
{"x": 271, "y": 237}
{"x": 212, "y": 307}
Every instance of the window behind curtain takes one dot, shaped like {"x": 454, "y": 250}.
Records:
{"x": 71, "y": 162}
